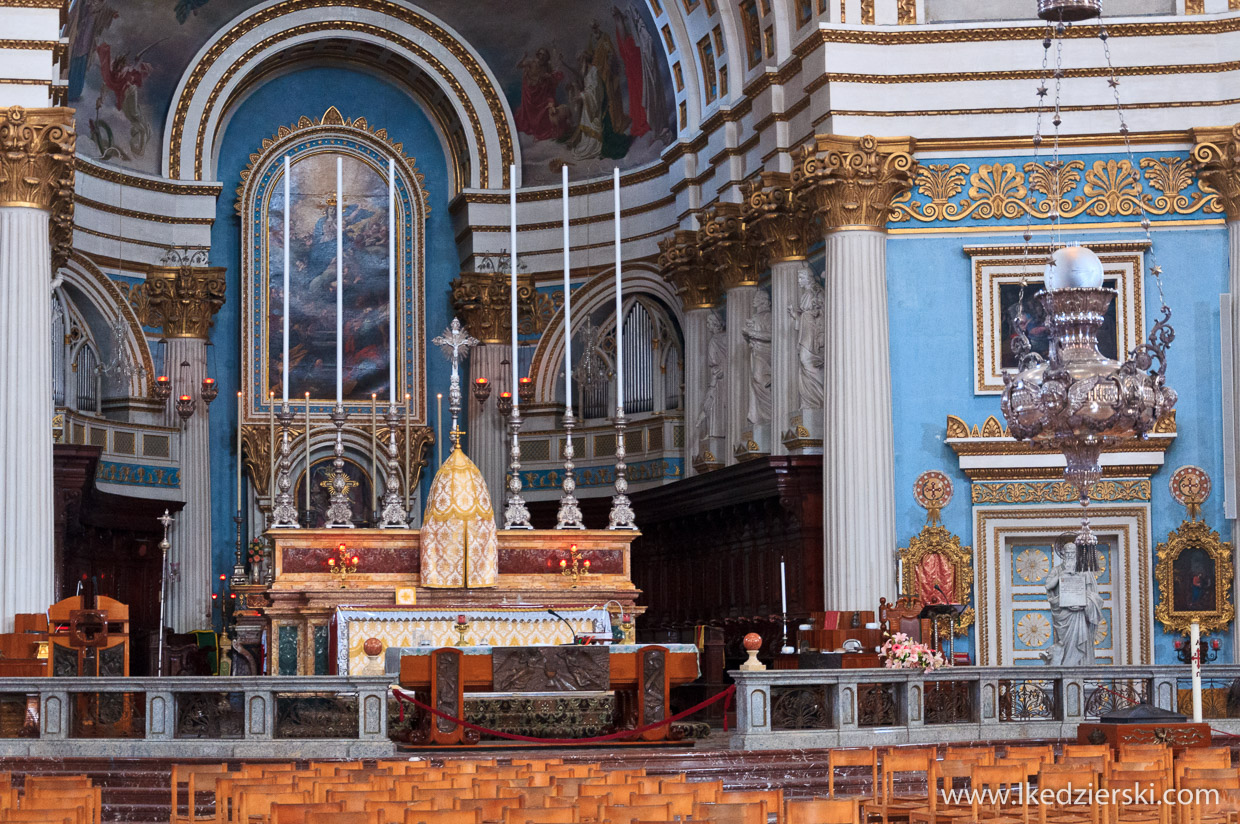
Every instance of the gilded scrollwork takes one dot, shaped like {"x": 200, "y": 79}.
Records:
{"x": 775, "y": 218}
{"x": 935, "y": 540}
{"x": 37, "y": 166}
{"x": 681, "y": 264}
{"x": 180, "y": 300}
{"x": 725, "y": 246}
{"x": 1216, "y": 157}
{"x": 1105, "y": 188}
{"x": 1059, "y": 492}
{"x": 1194, "y": 587}
{"x": 853, "y": 182}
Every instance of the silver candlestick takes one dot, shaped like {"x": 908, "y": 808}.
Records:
{"x": 166, "y": 520}
{"x": 569, "y": 516}
{"x": 238, "y": 573}
{"x": 516, "y": 514}
{"x": 339, "y": 513}
{"x": 621, "y": 516}
{"x": 284, "y": 513}
{"x": 394, "y": 514}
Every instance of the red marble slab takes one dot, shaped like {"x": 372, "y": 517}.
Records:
{"x": 392, "y": 559}
{"x": 525, "y": 561}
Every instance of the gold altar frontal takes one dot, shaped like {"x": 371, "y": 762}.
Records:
{"x": 295, "y": 612}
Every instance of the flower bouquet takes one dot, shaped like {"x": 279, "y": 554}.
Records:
{"x": 901, "y": 652}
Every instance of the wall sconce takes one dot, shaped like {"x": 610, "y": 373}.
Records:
{"x": 482, "y": 390}
{"x": 343, "y": 564}
{"x": 526, "y": 390}
{"x": 504, "y": 403}
{"x": 185, "y": 406}
{"x": 210, "y": 391}
{"x": 163, "y": 388}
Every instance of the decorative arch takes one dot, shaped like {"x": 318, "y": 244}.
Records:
{"x": 639, "y": 278}
{"x": 112, "y": 303}
{"x": 371, "y": 148}
{"x": 224, "y": 63}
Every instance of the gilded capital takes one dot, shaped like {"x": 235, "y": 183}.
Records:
{"x": 36, "y": 168}
{"x": 681, "y": 264}
{"x": 1216, "y": 155}
{"x": 850, "y": 182}
{"x": 181, "y": 300}
{"x": 726, "y": 247}
{"x": 482, "y": 301}
{"x": 775, "y": 217}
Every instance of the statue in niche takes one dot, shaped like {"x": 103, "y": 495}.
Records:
{"x": 1076, "y": 607}
{"x": 757, "y": 334}
{"x": 710, "y": 418}
{"x": 807, "y": 321}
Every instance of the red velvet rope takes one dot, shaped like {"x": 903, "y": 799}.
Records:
{"x": 402, "y": 695}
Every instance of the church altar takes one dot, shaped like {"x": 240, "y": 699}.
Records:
{"x": 408, "y": 629}
{"x": 296, "y": 610}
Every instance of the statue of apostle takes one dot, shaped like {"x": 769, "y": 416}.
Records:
{"x": 710, "y": 418}
{"x": 807, "y": 320}
{"x": 757, "y": 333}
{"x": 1076, "y": 607}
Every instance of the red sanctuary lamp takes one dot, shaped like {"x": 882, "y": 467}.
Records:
{"x": 343, "y": 564}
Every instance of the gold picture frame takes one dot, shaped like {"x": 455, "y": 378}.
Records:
{"x": 1194, "y": 572}
{"x": 934, "y": 539}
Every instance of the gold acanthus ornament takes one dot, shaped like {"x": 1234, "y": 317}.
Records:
{"x": 775, "y": 218}
{"x": 482, "y": 301}
{"x": 681, "y": 264}
{"x": 1217, "y": 158}
{"x": 181, "y": 300}
{"x": 852, "y": 182}
{"x": 36, "y": 168}
{"x": 725, "y": 246}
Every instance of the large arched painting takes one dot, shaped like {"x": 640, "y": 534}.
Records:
{"x": 591, "y": 88}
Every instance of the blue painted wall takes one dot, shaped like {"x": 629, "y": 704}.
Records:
{"x": 930, "y": 304}
{"x": 281, "y": 102}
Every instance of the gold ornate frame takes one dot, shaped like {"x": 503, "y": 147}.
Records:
{"x": 996, "y": 266}
{"x": 1188, "y": 535}
{"x": 936, "y": 540}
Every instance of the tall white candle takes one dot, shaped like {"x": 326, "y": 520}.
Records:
{"x": 1194, "y": 638}
{"x": 783, "y": 589}
{"x": 512, "y": 267}
{"x": 568, "y": 309}
{"x": 339, "y": 280}
{"x": 392, "y": 314}
{"x": 308, "y": 459}
{"x": 240, "y": 506}
{"x": 619, "y": 319}
{"x": 287, "y": 208}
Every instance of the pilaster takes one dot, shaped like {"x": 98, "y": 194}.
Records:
{"x": 36, "y": 210}
{"x": 849, "y": 184}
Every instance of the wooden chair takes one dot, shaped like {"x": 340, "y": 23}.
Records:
{"x": 1087, "y": 751}
{"x": 342, "y": 818}
{"x": 853, "y": 758}
{"x": 944, "y": 777}
{"x": 629, "y": 815}
{"x": 437, "y": 817}
{"x": 1215, "y": 799}
{"x": 774, "y": 800}
{"x": 981, "y": 755}
{"x": 823, "y": 811}
{"x": 1059, "y": 788}
{"x": 296, "y": 813}
{"x": 254, "y": 803}
{"x": 754, "y": 813}
{"x": 706, "y": 792}
{"x": 196, "y": 778}
{"x": 76, "y": 792}
{"x": 537, "y": 815}
{"x": 1129, "y": 793}
{"x": 588, "y": 809}
{"x": 887, "y": 804}
{"x": 488, "y": 809}
{"x": 355, "y": 800}
{"x": 1203, "y": 759}
{"x": 1145, "y": 752}
{"x": 1044, "y": 753}
{"x": 35, "y": 817}
{"x": 991, "y": 786}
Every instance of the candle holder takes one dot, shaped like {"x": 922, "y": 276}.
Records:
{"x": 482, "y": 390}
{"x": 569, "y": 515}
{"x": 339, "y": 513}
{"x": 210, "y": 390}
{"x": 626, "y": 628}
{"x": 621, "y": 516}
{"x": 462, "y": 627}
{"x": 185, "y": 406}
{"x": 525, "y": 390}
{"x": 238, "y": 573}
{"x": 394, "y": 514}
{"x": 516, "y": 514}
{"x": 504, "y": 403}
{"x": 578, "y": 568}
{"x": 343, "y": 564}
{"x": 164, "y": 546}
{"x": 1207, "y": 650}
{"x": 284, "y": 513}
{"x": 162, "y": 388}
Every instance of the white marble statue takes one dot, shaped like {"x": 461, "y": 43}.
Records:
{"x": 1076, "y": 608}
{"x": 807, "y": 321}
{"x": 710, "y": 418}
{"x": 757, "y": 333}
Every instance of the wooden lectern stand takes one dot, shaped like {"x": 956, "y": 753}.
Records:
{"x": 88, "y": 638}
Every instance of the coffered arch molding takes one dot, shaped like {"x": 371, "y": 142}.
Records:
{"x": 204, "y": 95}
{"x": 639, "y": 278}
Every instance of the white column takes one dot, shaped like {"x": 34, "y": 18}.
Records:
{"x": 1233, "y": 285}
{"x": 695, "y": 379}
{"x": 27, "y": 541}
{"x": 189, "y": 598}
{"x": 738, "y": 306}
{"x": 486, "y": 425}
{"x": 858, "y": 463}
{"x": 784, "y": 293}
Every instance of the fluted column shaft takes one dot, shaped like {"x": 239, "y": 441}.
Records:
{"x": 189, "y": 597}
{"x": 27, "y": 541}
{"x": 486, "y": 424}
{"x": 858, "y": 462}
{"x": 738, "y": 307}
{"x": 784, "y": 291}
{"x": 695, "y": 378}
{"x": 1233, "y": 285}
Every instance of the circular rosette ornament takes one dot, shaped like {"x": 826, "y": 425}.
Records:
{"x": 1190, "y": 486}
{"x": 932, "y": 490}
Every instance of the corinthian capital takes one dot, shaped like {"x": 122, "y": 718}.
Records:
{"x": 36, "y": 168}
{"x": 850, "y": 182}
{"x": 181, "y": 298}
{"x": 482, "y": 301}
{"x": 726, "y": 246}
{"x": 1217, "y": 158}
{"x": 681, "y": 264}
{"x": 775, "y": 217}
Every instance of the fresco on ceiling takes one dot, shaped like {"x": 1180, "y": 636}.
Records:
{"x": 591, "y": 89}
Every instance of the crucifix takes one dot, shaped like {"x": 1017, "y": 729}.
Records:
{"x": 455, "y": 343}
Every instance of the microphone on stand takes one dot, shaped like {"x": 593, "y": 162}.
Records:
{"x": 939, "y": 589}
{"x": 566, "y": 623}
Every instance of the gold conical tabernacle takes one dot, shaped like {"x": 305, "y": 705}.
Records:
{"x": 459, "y": 545}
